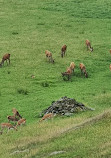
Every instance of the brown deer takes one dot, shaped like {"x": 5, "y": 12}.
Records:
{"x": 16, "y": 113}
{"x": 12, "y": 118}
{"x": 49, "y": 56}
{"x": 83, "y": 69}
{"x": 110, "y": 51}
{"x": 72, "y": 66}
{"x": 22, "y": 121}
{"x": 8, "y": 126}
{"x": 47, "y": 116}
{"x": 5, "y": 58}
{"x": 63, "y": 50}
{"x": 88, "y": 45}
{"x": 67, "y": 73}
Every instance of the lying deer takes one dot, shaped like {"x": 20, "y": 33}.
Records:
{"x": 8, "y": 126}
{"x": 12, "y": 118}
{"x": 22, "y": 121}
{"x": 5, "y": 58}
{"x": 88, "y": 45}
{"x": 47, "y": 116}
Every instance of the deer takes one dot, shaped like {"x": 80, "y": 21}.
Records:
{"x": 72, "y": 66}
{"x": 88, "y": 45}
{"x": 8, "y": 126}
{"x": 16, "y": 113}
{"x": 63, "y": 50}
{"x": 12, "y": 118}
{"x": 49, "y": 56}
{"x": 22, "y": 121}
{"x": 67, "y": 73}
{"x": 83, "y": 69}
{"x": 47, "y": 116}
{"x": 5, "y": 58}
{"x": 110, "y": 51}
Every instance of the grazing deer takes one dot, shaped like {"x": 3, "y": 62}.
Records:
{"x": 8, "y": 126}
{"x": 88, "y": 45}
{"x": 110, "y": 67}
{"x": 72, "y": 66}
{"x": 12, "y": 118}
{"x": 49, "y": 56}
{"x": 22, "y": 121}
{"x": 47, "y": 116}
{"x": 67, "y": 73}
{"x": 5, "y": 57}
{"x": 16, "y": 113}
{"x": 63, "y": 50}
{"x": 83, "y": 69}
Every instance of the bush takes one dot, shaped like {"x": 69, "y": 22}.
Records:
{"x": 22, "y": 91}
{"x": 45, "y": 84}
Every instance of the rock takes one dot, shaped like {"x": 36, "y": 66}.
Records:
{"x": 65, "y": 106}
{"x": 68, "y": 114}
{"x": 56, "y": 152}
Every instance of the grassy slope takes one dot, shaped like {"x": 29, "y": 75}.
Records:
{"x": 27, "y": 30}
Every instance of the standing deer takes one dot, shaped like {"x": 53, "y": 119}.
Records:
{"x": 67, "y": 73}
{"x": 88, "y": 45}
{"x": 63, "y": 50}
{"x": 83, "y": 69}
{"x": 5, "y": 58}
{"x": 72, "y": 66}
{"x": 49, "y": 56}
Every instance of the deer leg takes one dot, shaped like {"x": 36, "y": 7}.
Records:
{"x": 6, "y": 61}
{"x": 81, "y": 71}
{"x": 61, "y": 54}
{"x": 68, "y": 77}
{"x": 87, "y": 47}
{"x": 9, "y": 61}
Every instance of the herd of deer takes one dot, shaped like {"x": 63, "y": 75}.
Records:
{"x": 16, "y": 117}
{"x": 63, "y": 52}
{"x": 70, "y": 70}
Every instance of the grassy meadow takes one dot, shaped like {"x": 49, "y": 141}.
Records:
{"x": 27, "y": 29}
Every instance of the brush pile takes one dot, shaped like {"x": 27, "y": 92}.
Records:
{"x": 65, "y": 106}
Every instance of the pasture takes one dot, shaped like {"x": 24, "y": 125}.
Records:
{"x": 27, "y": 29}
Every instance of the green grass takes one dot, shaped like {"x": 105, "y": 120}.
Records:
{"x": 27, "y": 29}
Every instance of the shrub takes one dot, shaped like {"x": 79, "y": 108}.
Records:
{"x": 45, "y": 84}
{"x": 22, "y": 91}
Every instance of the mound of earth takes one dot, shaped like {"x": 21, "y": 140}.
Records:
{"x": 65, "y": 106}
